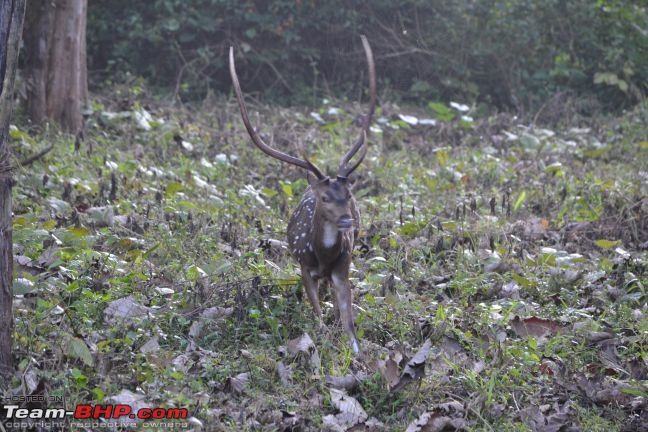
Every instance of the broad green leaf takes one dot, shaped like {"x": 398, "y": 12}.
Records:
{"x": 268, "y": 192}
{"x": 635, "y": 391}
{"x": 49, "y": 224}
{"x": 521, "y": 280}
{"x": 449, "y": 225}
{"x": 547, "y": 259}
{"x": 331, "y": 126}
{"x": 59, "y": 205}
{"x": 286, "y": 188}
{"x": 399, "y": 124}
{"x": 441, "y": 110}
{"x": 529, "y": 141}
{"x": 127, "y": 167}
{"x": 22, "y": 286}
{"x": 606, "y": 244}
{"x": 393, "y": 243}
{"x": 173, "y": 188}
{"x": 98, "y": 394}
{"x": 79, "y": 377}
{"x": 77, "y": 348}
{"x": 555, "y": 167}
{"x": 410, "y": 228}
{"x": 16, "y": 134}
{"x": 623, "y": 86}
{"x": 77, "y": 233}
{"x": 194, "y": 272}
{"x": 187, "y": 205}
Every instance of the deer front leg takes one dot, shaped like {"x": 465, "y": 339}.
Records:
{"x": 312, "y": 291}
{"x": 342, "y": 289}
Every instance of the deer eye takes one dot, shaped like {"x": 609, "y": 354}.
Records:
{"x": 325, "y": 199}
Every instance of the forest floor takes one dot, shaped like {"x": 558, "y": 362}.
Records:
{"x": 500, "y": 276}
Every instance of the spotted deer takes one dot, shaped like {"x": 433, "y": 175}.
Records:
{"x": 322, "y": 230}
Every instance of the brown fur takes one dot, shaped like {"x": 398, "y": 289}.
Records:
{"x": 324, "y": 203}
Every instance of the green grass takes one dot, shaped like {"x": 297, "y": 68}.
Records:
{"x": 195, "y": 230}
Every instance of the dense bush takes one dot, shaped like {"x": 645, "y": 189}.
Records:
{"x": 507, "y": 53}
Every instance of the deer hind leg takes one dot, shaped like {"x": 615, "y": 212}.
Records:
{"x": 344, "y": 301}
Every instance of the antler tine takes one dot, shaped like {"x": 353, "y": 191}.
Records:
{"x": 256, "y": 139}
{"x": 344, "y": 170}
{"x": 342, "y": 175}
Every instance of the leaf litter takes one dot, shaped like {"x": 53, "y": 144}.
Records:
{"x": 513, "y": 257}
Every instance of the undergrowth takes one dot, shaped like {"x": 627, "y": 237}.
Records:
{"x": 519, "y": 252}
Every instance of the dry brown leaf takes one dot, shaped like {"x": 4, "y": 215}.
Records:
{"x": 152, "y": 345}
{"x": 450, "y": 352}
{"x": 415, "y": 368}
{"x": 351, "y": 412}
{"x": 285, "y": 374}
{"x": 371, "y": 425}
{"x": 291, "y": 421}
{"x": 389, "y": 370}
{"x": 548, "y": 367}
{"x": 237, "y": 384}
{"x": 596, "y": 336}
{"x": 215, "y": 313}
{"x": 610, "y": 357}
{"x": 303, "y": 343}
{"x": 48, "y": 257}
{"x": 124, "y": 309}
{"x": 559, "y": 417}
{"x": 637, "y": 368}
{"x": 534, "y": 326}
{"x": 346, "y": 382}
{"x": 435, "y": 422}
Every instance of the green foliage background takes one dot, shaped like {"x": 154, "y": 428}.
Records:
{"x": 512, "y": 54}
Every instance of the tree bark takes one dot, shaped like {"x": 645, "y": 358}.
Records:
{"x": 56, "y": 69}
{"x": 11, "y": 21}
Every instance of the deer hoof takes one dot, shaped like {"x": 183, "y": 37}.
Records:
{"x": 355, "y": 346}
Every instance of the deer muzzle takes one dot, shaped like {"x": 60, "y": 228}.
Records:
{"x": 345, "y": 223}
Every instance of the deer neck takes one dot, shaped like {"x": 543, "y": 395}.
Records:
{"x": 326, "y": 234}
{"x": 330, "y": 235}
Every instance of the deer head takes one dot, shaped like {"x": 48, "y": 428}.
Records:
{"x": 324, "y": 225}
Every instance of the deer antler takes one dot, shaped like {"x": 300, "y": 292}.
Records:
{"x": 344, "y": 170}
{"x": 256, "y": 139}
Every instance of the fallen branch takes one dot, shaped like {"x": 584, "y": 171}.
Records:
{"x": 30, "y": 160}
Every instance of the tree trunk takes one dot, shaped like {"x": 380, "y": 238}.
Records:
{"x": 56, "y": 70}
{"x": 11, "y": 21}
